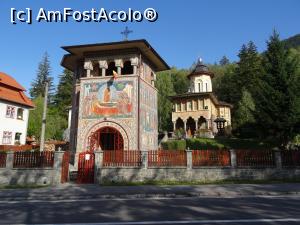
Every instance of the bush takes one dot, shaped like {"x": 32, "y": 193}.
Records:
{"x": 174, "y": 145}
{"x": 203, "y": 143}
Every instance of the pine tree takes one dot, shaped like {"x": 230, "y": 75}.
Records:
{"x": 278, "y": 100}
{"x": 43, "y": 74}
{"x": 165, "y": 89}
{"x": 224, "y": 61}
{"x": 63, "y": 96}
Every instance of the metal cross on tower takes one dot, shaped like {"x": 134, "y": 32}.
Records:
{"x": 125, "y": 33}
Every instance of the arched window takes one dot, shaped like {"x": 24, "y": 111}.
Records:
{"x": 127, "y": 68}
{"x": 111, "y": 67}
{"x": 20, "y": 113}
{"x": 199, "y": 86}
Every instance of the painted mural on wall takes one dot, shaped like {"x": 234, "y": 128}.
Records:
{"x": 108, "y": 99}
{"x": 148, "y": 113}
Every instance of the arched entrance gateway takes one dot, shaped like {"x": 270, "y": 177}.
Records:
{"x": 108, "y": 138}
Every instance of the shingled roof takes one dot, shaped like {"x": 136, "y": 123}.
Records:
{"x": 12, "y": 91}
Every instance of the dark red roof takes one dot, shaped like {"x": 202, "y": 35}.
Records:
{"x": 12, "y": 91}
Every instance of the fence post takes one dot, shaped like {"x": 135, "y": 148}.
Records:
{"x": 144, "y": 154}
{"x": 57, "y": 167}
{"x": 98, "y": 166}
{"x": 10, "y": 160}
{"x": 189, "y": 158}
{"x": 278, "y": 160}
{"x": 233, "y": 159}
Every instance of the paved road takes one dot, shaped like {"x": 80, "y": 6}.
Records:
{"x": 205, "y": 210}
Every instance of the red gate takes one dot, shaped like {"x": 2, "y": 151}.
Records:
{"x": 86, "y": 164}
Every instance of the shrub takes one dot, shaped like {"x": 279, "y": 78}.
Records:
{"x": 174, "y": 145}
{"x": 203, "y": 143}
{"x": 179, "y": 133}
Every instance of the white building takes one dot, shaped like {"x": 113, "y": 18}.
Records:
{"x": 14, "y": 111}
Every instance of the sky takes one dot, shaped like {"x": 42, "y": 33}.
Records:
{"x": 184, "y": 31}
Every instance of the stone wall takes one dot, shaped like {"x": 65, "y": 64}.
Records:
{"x": 195, "y": 174}
{"x": 31, "y": 176}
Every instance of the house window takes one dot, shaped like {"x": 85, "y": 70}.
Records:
{"x": 6, "y": 139}
{"x": 10, "y": 111}
{"x": 20, "y": 113}
{"x": 189, "y": 106}
{"x": 17, "y": 138}
{"x": 178, "y": 107}
{"x": 196, "y": 105}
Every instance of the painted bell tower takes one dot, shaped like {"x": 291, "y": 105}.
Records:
{"x": 114, "y": 103}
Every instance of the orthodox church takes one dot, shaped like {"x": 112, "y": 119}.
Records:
{"x": 114, "y": 103}
{"x": 199, "y": 112}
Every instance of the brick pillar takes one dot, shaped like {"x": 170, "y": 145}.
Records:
{"x": 98, "y": 166}
{"x": 57, "y": 167}
{"x": 189, "y": 159}
{"x": 278, "y": 160}
{"x": 10, "y": 160}
{"x": 144, "y": 159}
{"x": 233, "y": 158}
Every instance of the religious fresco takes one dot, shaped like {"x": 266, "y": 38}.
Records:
{"x": 108, "y": 99}
{"x": 148, "y": 116}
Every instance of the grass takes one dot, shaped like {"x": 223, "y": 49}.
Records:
{"x": 220, "y": 182}
{"x": 17, "y": 186}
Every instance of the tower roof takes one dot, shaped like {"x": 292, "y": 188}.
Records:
{"x": 78, "y": 52}
{"x": 201, "y": 69}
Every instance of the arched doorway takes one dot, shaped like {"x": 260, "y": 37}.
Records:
{"x": 179, "y": 124}
{"x": 191, "y": 125}
{"x": 202, "y": 123}
{"x": 108, "y": 138}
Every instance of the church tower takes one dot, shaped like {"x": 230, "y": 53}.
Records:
{"x": 200, "y": 79}
{"x": 198, "y": 112}
{"x": 114, "y": 104}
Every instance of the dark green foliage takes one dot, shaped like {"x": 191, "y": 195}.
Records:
{"x": 43, "y": 75}
{"x": 277, "y": 98}
{"x": 216, "y": 143}
{"x": 169, "y": 83}
{"x": 63, "y": 96}
{"x": 224, "y": 61}
{"x": 179, "y": 80}
{"x": 292, "y": 42}
{"x": 174, "y": 145}
{"x": 203, "y": 144}
{"x": 165, "y": 89}
{"x": 55, "y": 123}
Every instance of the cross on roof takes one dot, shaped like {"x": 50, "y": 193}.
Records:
{"x": 126, "y": 32}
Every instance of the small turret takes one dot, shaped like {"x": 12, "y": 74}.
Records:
{"x": 200, "y": 78}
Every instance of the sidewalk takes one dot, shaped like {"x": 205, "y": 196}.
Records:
{"x": 73, "y": 191}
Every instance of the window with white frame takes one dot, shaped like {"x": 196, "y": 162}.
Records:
{"x": 6, "y": 138}
{"x": 10, "y": 111}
